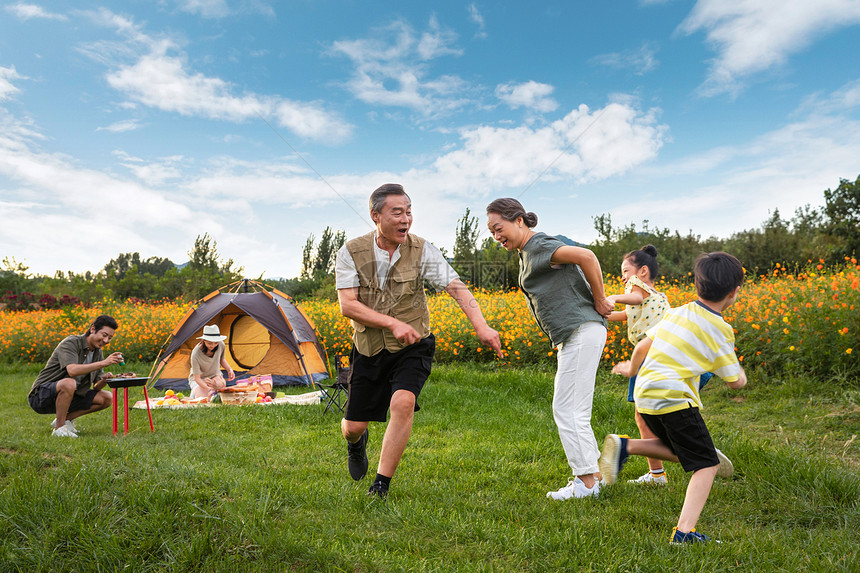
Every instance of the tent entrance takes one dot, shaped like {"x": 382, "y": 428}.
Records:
{"x": 248, "y": 342}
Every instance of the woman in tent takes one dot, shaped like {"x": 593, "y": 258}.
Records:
{"x": 207, "y": 360}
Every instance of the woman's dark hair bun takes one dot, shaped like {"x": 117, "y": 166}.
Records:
{"x": 650, "y": 249}
{"x": 530, "y": 219}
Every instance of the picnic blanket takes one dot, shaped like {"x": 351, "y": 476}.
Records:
{"x": 306, "y": 399}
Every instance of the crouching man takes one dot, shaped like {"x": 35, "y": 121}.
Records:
{"x": 70, "y": 385}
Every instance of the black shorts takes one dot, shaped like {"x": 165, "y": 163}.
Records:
{"x": 374, "y": 379}
{"x": 44, "y": 399}
{"x": 684, "y": 433}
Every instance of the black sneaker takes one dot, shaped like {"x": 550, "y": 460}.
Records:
{"x": 378, "y": 490}
{"x": 357, "y": 457}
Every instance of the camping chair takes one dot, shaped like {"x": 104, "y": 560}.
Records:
{"x": 334, "y": 395}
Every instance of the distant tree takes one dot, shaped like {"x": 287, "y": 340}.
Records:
{"x": 156, "y": 266}
{"x": 676, "y": 253}
{"x": 14, "y": 277}
{"x": 791, "y": 244}
{"x": 465, "y": 247}
{"x": 308, "y": 258}
{"x": 127, "y": 276}
{"x": 205, "y": 271}
{"x": 122, "y": 264}
{"x": 326, "y": 251}
{"x": 497, "y": 268}
{"x": 318, "y": 261}
{"x": 318, "y": 267}
{"x": 204, "y": 255}
{"x": 842, "y": 207}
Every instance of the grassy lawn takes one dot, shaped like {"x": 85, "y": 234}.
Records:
{"x": 266, "y": 488}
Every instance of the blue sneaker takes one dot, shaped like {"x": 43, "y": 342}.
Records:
{"x": 680, "y": 538}
{"x": 613, "y": 458}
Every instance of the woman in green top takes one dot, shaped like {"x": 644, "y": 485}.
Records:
{"x": 563, "y": 285}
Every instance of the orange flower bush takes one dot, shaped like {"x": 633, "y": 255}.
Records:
{"x": 808, "y": 320}
{"x": 30, "y": 336}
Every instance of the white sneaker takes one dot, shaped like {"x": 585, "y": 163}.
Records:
{"x": 69, "y": 424}
{"x": 64, "y": 432}
{"x": 726, "y": 468}
{"x": 575, "y": 488}
{"x": 650, "y": 479}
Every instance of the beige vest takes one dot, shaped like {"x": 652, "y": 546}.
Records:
{"x": 402, "y": 298}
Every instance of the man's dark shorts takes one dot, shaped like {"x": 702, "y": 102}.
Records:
{"x": 684, "y": 433}
{"x": 44, "y": 399}
{"x": 374, "y": 379}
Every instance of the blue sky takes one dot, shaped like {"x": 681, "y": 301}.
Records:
{"x": 135, "y": 126}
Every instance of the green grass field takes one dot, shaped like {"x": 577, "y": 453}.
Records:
{"x": 266, "y": 488}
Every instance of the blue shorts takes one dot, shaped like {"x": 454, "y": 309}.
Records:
{"x": 44, "y": 399}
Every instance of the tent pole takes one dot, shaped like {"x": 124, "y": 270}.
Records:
{"x": 308, "y": 374}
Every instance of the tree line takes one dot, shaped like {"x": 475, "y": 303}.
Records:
{"x": 127, "y": 277}
{"x": 828, "y": 233}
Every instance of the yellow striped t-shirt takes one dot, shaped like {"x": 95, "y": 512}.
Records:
{"x": 689, "y": 341}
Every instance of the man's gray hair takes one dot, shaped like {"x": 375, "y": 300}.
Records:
{"x": 377, "y": 198}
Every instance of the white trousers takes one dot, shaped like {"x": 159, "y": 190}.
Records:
{"x": 578, "y": 358}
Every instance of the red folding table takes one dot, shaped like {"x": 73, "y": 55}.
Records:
{"x": 125, "y": 384}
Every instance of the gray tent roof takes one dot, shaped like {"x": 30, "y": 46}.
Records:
{"x": 264, "y": 308}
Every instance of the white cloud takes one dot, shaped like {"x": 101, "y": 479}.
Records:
{"x": 121, "y": 126}
{"x": 756, "y": 35}
{"x": 30, "y": 11}
{"x": 162, "y": 81}
{"x": 641, "y": 61}
{"x": 221, "y": 8}
{"x": 437, "y": 42}
{"x": 7, "y": 88}
{"x": 476, "y": 17}
{"x": 731, "y": 188}
{"x": 205, "y": 8}
{"x": 582, "y": 146}
{"x": 392, "y": 68}
{"x": 843, "y": 99}
{"x": 531, "y": 95}
{"x": 152, "y": 172}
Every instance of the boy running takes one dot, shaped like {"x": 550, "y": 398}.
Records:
{"x": 691, "y": 340}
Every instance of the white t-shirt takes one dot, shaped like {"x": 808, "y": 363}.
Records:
{"x": 434, "y": 268}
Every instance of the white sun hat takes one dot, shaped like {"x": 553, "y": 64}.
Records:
{"x": 212, "y": 334}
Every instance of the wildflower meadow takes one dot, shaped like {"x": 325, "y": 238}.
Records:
{"x": 807, "y": 320}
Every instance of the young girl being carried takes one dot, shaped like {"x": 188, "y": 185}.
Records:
{"x": 644, "y": 309}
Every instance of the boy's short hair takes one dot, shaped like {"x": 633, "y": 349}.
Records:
{"x": 717, "y": 274}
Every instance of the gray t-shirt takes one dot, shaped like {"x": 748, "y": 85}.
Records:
{"x": 559, "y": 297}
{"x": 71, "y": 350}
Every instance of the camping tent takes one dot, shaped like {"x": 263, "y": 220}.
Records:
{"x": 266, "y": 334}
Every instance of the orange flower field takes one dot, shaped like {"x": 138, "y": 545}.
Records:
{"x": 808, "y": 320}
